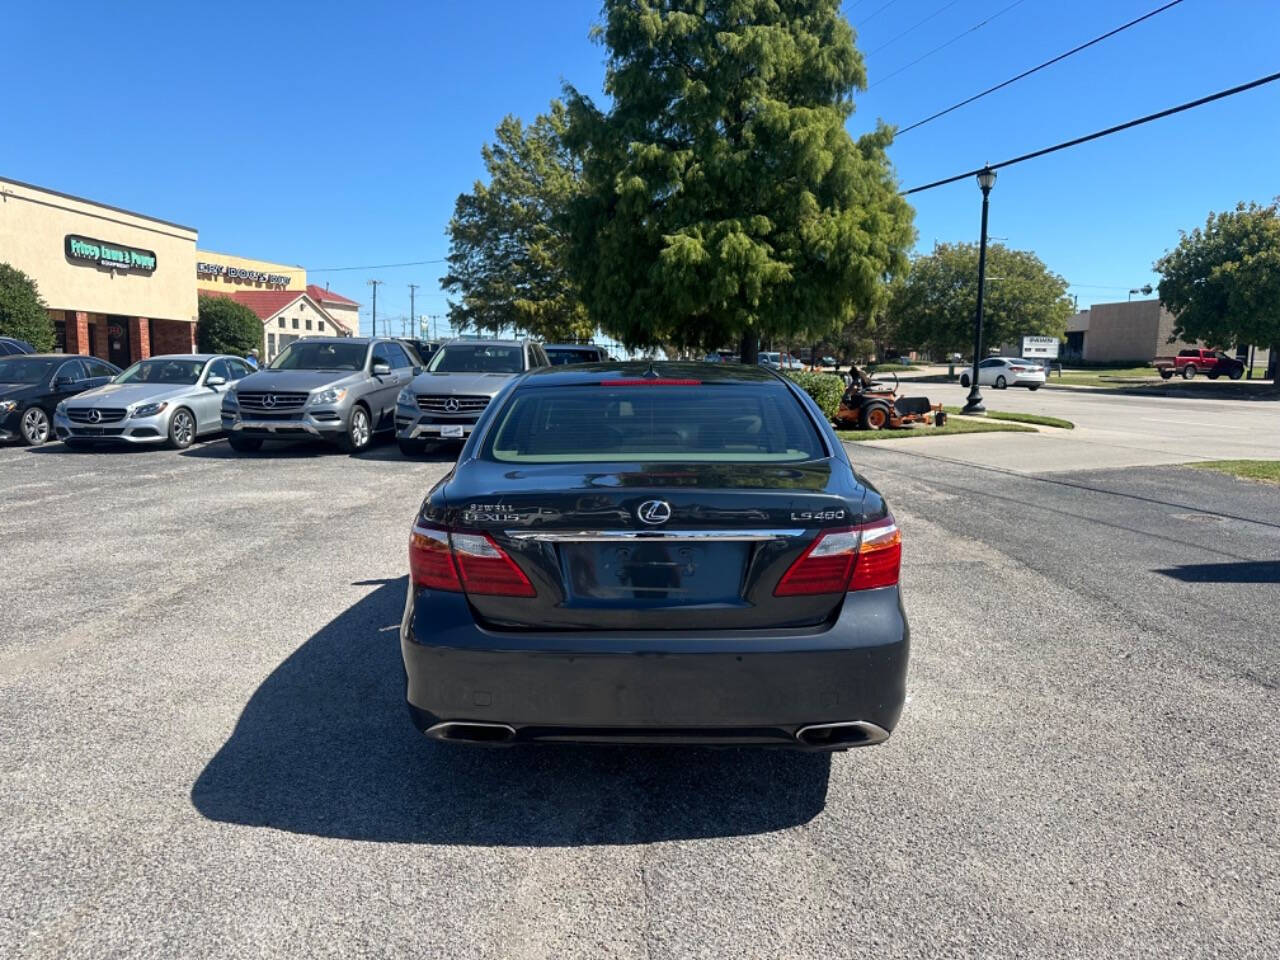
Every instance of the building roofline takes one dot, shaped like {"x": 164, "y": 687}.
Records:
{"x": 241, "y": 256}
{"x": 96, "y": 203}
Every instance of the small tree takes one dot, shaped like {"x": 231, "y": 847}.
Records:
{"x": 22, "y": 312}
{"x": 507, "y": 238}
{"x": 227, "y": 327}
{"x": 1222, "y": 282}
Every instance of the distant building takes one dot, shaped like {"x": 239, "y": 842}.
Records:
{"x": 1130, "y": 333}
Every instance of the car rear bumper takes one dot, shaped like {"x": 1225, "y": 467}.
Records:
{"x": 721, "y": 687}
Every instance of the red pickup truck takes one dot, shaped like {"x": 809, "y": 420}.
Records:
{"x": 1188, "y": 363}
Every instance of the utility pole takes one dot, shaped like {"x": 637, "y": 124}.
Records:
{"x": 413, "y": 317}
{"x": 375, "y": 284}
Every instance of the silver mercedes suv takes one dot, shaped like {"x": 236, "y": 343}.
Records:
{"x": 445, "y": 401}
{"x": 340, "y": 389}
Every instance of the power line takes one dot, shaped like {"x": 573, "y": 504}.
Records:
{"x": 374, "y": 266}
{"x": 958, "y": 36}
{"x": 879, "y": 10}
{"x": 911, "y": 29}
{"x": 1048, "y": 63}
{"x": 1222, "y": 94}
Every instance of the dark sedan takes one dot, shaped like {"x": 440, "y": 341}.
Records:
{"x": 655, "y": 553}
{"x": 33, "y": 384}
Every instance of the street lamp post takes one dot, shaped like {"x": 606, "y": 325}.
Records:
{"x": 986, "y": 180}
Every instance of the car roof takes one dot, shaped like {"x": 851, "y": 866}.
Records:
{"x": 484, "y": 342}
{"x": 190, "y": 356}
{"x": 50, "y": 356}
{"x": 572, "y": 346}
{"x": 362, "y": 340}
{"x": 592, "y": 373}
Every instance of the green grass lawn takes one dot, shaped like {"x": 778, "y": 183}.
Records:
{"x": 952, "y": 427}
{"x": 1035, "y": 418}
{"x": 1264, "y": 471}
{"x": 890, "y": 368}
{"x": 1093, "y": 377}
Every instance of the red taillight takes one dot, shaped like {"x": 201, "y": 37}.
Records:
{"x": 879, "y": 556}
{"x": 431, "y": 559}
{"x": 650, "y": 382}
{"x": 1018, "y": 369}
{"x": 851, "y": 558}
{"x": 464, "y": 562}
{"x": 486, "y": 568}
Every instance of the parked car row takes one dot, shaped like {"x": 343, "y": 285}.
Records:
{"x": 345, "y": 390}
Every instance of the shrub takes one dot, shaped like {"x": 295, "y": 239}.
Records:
{"x": 825, "y": 388}
{"x": 227, "y": 327}
{"x": 22, "y": 312}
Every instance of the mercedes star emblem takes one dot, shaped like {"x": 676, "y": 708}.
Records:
{"x": 269, "y": 400}
{"x": 654, "y": 511}
{"x": 451, "y": 404}
{"x": 94, "y": 416}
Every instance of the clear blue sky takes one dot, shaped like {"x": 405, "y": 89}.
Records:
{"x": 330, "y": 134}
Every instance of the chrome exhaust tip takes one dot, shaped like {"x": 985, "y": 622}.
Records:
{"x": 468, "y": 731}
{"x": 850, "y": 733}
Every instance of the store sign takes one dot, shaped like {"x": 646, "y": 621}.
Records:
{"x": 237, "y": 273}
{"x": 1046, "y": 347}
{"x": 113, "y": 255}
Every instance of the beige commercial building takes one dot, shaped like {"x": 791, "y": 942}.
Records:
{"x": 123, "y": 286}
{"x": 118, "y": 285}
{"x": 1131, "y": 332}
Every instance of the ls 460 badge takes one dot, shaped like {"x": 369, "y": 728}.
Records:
{"x": 818, "y": 515}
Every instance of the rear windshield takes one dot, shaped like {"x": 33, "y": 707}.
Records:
{"x": 721, "y": 422}
{"x": 559, "y": 356}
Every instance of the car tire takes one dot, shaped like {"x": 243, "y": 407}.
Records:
{"x": 1166, "y": 374}
{"x": 1237, "y": 373}
{"x": 964, "y": 379}
{"x": 182, "y": 429}
{"x": 412, "y": 448}
{"x": 1212, "y": 374}
{"x": 244, "y": 444}
{"x": 359, "y": 432}
{"x": 1033, "y": 387}
{"x": 1002, "y": 383}
{"x": 875, "y": 416}
{"x": 1189, "y": 372}
{"x": 34, "y": 428}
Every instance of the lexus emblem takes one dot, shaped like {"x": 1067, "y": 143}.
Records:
{"x": 269, "y": 400}
{"x": 451, "y": 404}
{"x": 654, "y": 511}
{"x": 93, "y": 416}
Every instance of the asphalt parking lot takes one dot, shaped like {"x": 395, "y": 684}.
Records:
{"x": 204, "y": 751}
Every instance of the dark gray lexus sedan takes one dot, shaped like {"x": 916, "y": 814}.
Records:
{"x": 655, "y": 553}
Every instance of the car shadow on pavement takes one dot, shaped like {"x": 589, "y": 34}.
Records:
{"x": 325, "y": 747}
{"x": 1245, "y": 571}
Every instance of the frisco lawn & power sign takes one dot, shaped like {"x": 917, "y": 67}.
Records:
{"x": 102, "y": 254}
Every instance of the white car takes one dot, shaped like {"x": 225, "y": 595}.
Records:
{"x": 1002, "y": 372}
{"x": 779, "y": 361}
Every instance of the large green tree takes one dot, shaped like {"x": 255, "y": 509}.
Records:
{"x": 1222, "y": 282}
{"x": 724, "y": 199}
{"x": 936, "y": 306}
{"x": 226, "y": 326}
{"x": 507, "y": 239}
{"x": 22, "y": 312}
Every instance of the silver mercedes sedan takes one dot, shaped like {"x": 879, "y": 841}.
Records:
{"x": 170, "y": 399}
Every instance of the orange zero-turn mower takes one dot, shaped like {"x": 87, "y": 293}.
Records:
{"x": 875, "y": 405}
